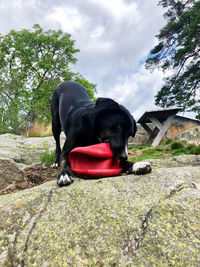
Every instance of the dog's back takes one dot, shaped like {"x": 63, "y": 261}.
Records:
{"x": 69, "y": 95}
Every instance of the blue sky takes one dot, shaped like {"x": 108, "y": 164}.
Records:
{"x": 114, "y": 38}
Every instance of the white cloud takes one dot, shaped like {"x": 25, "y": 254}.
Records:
{"x": 114, "y": 37}
{"x": 68, "y": 18}
{"x": 136, "y": 91}
{"x": 116, "y": 7}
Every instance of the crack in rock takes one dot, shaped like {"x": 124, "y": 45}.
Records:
{"x": 34, "y": 223}
{"x": 144, "y": 226}
{"x": 179, "y": 188}
{"x": 13, "y": 260}
{"x": 130, "y": 247}
{"x": 193, "y": 163}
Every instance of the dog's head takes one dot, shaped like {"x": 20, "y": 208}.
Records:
{"x": 114, "y": 125}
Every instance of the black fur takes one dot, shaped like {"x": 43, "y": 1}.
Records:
{"x": 85, "y": 123}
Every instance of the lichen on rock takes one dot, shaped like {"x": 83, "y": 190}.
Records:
{"x": 133, "y": 220}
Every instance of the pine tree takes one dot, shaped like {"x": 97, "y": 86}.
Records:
{"x": 178, "y": 50}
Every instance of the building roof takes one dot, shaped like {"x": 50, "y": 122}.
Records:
{"x": 161, "y": 115}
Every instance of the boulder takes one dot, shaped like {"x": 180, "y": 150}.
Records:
{"x": 18, "y": 153}
{"x": 23, "y": 150}
{"x": 133, "y": 220}
{"x": 9, "y": 173}
{"x": 192, "y": 136}
{"x": 140, "y": 137}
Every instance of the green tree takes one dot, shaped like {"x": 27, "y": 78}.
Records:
{"x": 32, "y": 63}
{"x": 178, "y": 50}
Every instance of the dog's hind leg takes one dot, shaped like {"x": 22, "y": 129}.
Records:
{"x": 56, "y": 127}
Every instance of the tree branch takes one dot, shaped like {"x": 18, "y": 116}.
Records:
{"x": 38, "y": 87}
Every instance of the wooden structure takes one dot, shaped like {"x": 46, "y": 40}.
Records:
{"x": 161, "y": 119}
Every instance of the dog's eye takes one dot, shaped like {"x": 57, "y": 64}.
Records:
{"x": 116, "y": 128}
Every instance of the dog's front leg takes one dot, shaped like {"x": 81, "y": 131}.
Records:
{"x": 141, "y": 167}
{"x": 65, "y": 176}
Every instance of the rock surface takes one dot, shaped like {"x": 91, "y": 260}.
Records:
{"x": 140, "y": 137}
{"x": 25, "y": 150}
{"x": 192, "y": 136}
{"x": 9, "y": 172}
{"x": 133, "y": 220}
{"x": 146, "y": 220}
{"x": 18, "y": 153}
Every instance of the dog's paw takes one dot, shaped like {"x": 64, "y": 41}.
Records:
{"x": 142, "y": 167}
{"x": 64, "y": 179}
{"x": 54, "y": 165}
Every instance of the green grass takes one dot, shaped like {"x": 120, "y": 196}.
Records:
{"x": 168, "y": 148}
{"x": 138, "y": 147}
{"x": 48, "y": 156}
{"x": 150, "y": 153}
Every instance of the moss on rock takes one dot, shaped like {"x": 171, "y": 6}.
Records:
{"x": 146, "y": 220}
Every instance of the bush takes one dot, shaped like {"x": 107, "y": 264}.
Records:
{"x": 177, "y": 145}
{"x": 193, "y": 149}
{"x": 178, "y": 148}
{"x": 198, "y": 150}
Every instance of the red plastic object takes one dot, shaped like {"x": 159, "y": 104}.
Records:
{"x": 94, "y": 161}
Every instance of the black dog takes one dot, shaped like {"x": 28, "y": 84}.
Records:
{"x": 85, "y": 123}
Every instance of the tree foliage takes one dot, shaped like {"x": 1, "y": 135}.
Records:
{"x": 178, "y": 50}
{"x": 32, "y": 63}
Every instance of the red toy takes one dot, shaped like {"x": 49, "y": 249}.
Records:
{"x": 94, "y": 161}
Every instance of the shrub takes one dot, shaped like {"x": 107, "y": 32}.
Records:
{"x": 177, "y": 145}
{"x": 178, "y": 148}
{"x": 198, "y": 150}
{"x": 193, "y": 149}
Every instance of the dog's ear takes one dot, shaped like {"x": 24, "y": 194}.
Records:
{"x": 106, "y": 103}
{"x": 103, "y": 107}
{"x": 132, "y": 127}
{"x": 103, "y": 104}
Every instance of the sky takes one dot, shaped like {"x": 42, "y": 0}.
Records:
{"x": 114, "y": 38}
